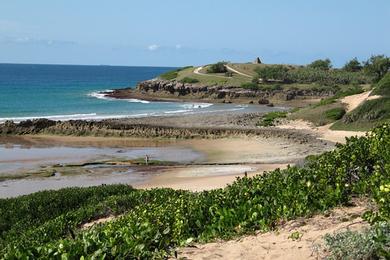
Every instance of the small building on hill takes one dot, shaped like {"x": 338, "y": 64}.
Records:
{"x": 257, "y": 61}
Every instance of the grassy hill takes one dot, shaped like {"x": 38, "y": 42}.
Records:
{"x": 372, "y": 112}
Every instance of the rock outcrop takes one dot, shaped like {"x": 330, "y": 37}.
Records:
{"x": 157, "y": 88}
{"x": 120, "y": 128}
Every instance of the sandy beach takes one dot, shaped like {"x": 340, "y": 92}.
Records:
{"x": 199, "y": 163}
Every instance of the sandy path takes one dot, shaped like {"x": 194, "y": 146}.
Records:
{"x": 354, "y": 101}
{"x": 323, "y": 132}
{"x": 278, "y": 245}
{"x": 198, "y": 69}
{"x": 238, "y": 72}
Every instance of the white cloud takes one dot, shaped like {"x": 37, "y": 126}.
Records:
{"x": 153, "y": 47}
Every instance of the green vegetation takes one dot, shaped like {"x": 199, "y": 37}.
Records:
{"x": 250, "y": 85}
{"x": 321, "y": 64}
{"x": 377, "y": 66}
{"x": 189, "y": 80}
{"x": 310, "y": 75}
{"x": 377, "y": 109}
{"x": 170, "y": 75}
{"x": 371, "y": 243}
{"x": 353, "y": 65}
{"x": 218, "y": 67}
{"x": 335, "y": 113}
{"x": 383, "y": 86}
{"x": 326, "y": 77}
{"x": 272, "y": 72}
{"x": 317, "y": 114}
{"x": 269, "y": 118}
{"x": 372, "y": 112}
{"x": 154, "y": 222}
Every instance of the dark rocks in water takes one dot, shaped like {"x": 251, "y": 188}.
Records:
{"x": 270, "y": 105}
{"x": 263, "y": 101}
{"x": 251, "y": 102}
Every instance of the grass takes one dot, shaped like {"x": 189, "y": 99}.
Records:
{"x": 318, "y": 115}
{"x": 369, "y": 114}
{"x": 173, "y": 74}
{"x": 335, "y": 113}
{"x": 270, "y": 118}
{"x": 213, "y": 79}
{"x": 383, "y": 86}
{"x": 189, "y": 80}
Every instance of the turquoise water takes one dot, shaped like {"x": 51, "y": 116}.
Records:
{"x": 63, "y": 92}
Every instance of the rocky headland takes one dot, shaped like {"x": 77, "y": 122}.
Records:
{"x": 172, "y": 90}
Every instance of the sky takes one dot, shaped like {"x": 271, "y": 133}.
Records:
{"x": 187, "y": 32}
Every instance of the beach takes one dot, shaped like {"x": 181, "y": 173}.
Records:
{"x": 196, "y": 163}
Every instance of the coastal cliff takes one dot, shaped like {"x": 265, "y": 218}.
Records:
{"x": 159, "y": 89}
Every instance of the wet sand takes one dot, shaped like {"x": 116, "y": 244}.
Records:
{"x": 202, "y": 163}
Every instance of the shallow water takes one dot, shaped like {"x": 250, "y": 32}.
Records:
{"x": 17, "y": 158}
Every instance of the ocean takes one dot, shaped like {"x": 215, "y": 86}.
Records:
{"x": 64, "y": 92}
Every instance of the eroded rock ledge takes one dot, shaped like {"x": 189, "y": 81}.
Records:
{"x": 158, "y": 89}
{"x": 121, "y": 128}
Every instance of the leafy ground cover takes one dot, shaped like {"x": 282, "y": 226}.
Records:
{"x": 154, "y": 222}
{"x": 269, "y": 118}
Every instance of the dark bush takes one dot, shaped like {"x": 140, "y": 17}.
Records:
{"x": 335, "y": 113}
{"x": 189, "y": 80}
{"x": 321, "y": 64}
{"x": 217, "y": 68}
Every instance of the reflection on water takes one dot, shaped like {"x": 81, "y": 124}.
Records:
{"x": 30, "y": 155}
{"x": 21, "y": 158}
{"x": 14, "y": 188}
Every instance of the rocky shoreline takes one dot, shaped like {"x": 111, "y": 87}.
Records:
{"x": 143, "y": 129}
{"x": 172, "y": 90}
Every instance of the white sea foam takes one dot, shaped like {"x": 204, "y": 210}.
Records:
{"x": 134, "y": 100}
{"x": 102, "y": 94}
{"x": 177, "y": 111}
{"x": 196, "y": 105}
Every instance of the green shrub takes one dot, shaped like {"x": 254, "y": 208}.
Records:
{"x": 371, "y": 243}
{"x": 371, "y": 110}
{"x": 383, "y": 86}
{"x": 189, "y": 80}
{"x": 169, "y": 75}
{"x": 250, "y": 85}
{"x": 321, "y": 64}
{"x": 353, "y": 65}
{"x": 272, "y": 72}
{"x": 327, "y": 77}
{"x": 217, "y": 68}
{"x": 269, "y": 118}
{"x": 377, "y": 66}
{"x": 335, "y": 113}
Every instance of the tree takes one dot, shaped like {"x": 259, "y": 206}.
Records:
{"x": 321, "y": 64}
{"x": 217, "y": 68}
{"x": 353, "y": 65}
{"x": 273, "y": 72}
{"x": 377, "y": 66}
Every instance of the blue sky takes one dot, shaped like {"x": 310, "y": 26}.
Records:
{"x": 178, "y": 33}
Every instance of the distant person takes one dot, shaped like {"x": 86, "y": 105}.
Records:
{"x": 146, "y": 159}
